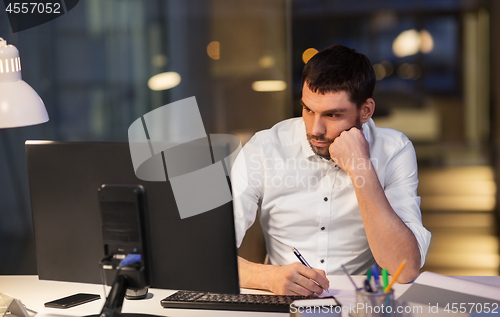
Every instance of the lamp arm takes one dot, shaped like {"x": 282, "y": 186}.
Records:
{"x": 114, "y": 302}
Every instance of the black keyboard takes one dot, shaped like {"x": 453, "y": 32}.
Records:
{"x": 241, "y": 302}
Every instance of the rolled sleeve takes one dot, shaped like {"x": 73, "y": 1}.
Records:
{"x": 246, "y": 182}
{"x": 401, "y": 191}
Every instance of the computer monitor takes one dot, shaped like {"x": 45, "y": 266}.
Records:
{"x": 196, "y": 253}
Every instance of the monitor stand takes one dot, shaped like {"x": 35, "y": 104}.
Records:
{"x": 135, "y": 294}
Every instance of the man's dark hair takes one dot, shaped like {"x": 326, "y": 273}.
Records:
{"x": 339, "y": 68}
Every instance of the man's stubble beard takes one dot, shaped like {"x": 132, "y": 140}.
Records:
{"x": 326, "y": 152}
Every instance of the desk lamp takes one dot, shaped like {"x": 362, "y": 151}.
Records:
{"x": 20, "y": 105}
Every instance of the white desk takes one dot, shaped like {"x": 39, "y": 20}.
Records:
{"x": 34, "y": 293}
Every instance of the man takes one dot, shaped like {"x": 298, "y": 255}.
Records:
{"x": 331, "y": 184}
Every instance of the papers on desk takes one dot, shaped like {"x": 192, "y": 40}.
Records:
{"x": 457, "y": 294}
{"x": 325, "y": 306}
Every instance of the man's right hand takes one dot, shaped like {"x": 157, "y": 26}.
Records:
{"x": 292, "y": 279}
{"x": 297, "y": 279}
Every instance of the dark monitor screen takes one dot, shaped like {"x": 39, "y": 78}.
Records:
{"x": 194, "y": 253}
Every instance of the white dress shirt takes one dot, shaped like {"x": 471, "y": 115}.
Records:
{"x": 309, "y": 203}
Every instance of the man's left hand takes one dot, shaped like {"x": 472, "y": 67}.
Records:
{"x": 351, "y": 151}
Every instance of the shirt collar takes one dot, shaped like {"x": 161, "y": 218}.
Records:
{"x": 306, "y": 147}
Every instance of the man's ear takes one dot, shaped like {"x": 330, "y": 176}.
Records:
{"x": 366, "y": 110}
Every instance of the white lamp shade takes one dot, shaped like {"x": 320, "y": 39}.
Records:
{"x": 20, "y": 105}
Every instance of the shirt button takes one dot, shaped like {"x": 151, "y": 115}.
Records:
{"x": 322, "y": 228}
{"x": 322, "y": 261}
{"x": 325, "y": 199}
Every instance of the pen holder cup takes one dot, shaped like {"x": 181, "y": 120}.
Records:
{"x": 374, "y": 304}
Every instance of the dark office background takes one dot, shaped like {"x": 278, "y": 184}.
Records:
{"x": 92, "y": 65}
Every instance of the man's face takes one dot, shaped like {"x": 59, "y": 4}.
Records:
{"x": 326, "y": 116}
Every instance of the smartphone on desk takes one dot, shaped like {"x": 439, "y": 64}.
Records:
{"x": 72, "y": 300}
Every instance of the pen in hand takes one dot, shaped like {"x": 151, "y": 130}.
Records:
{"x": 303, "y": 261}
